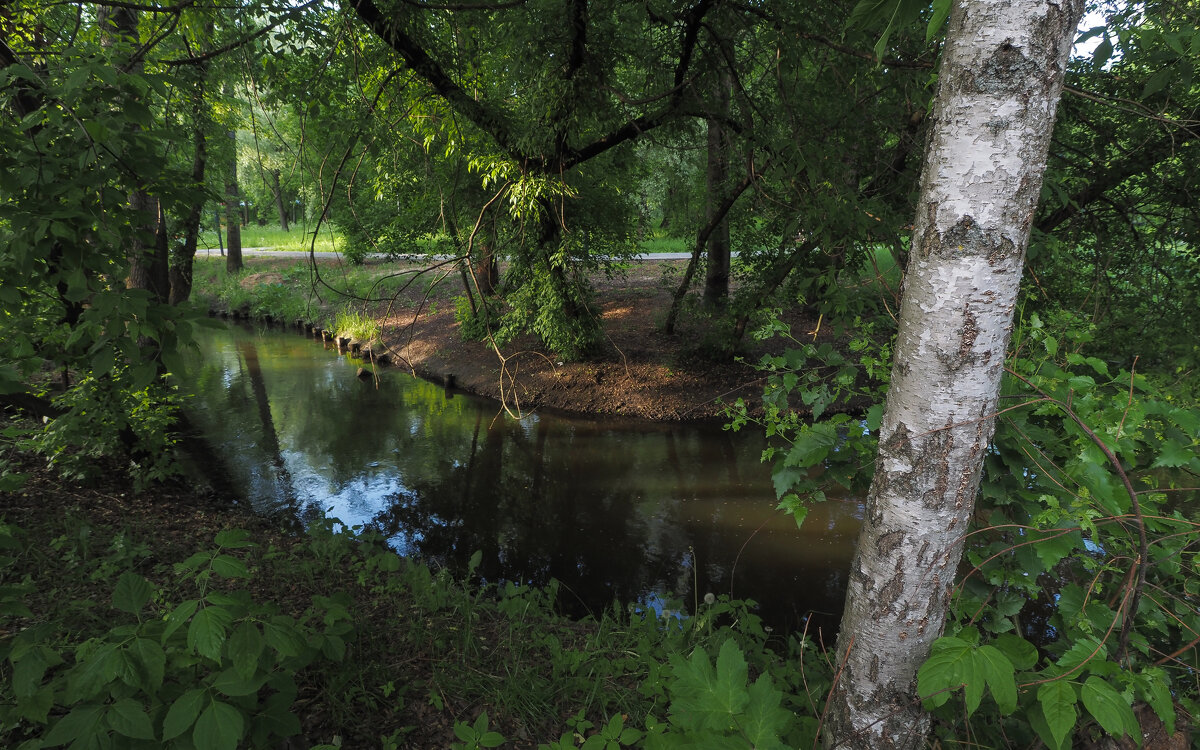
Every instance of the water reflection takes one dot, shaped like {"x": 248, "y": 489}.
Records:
{"x": 614, "y": 510}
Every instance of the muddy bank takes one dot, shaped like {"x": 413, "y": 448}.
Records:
{"x": 644, "y": 374}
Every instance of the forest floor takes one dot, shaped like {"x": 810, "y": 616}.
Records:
{"x": 642, "y": 373}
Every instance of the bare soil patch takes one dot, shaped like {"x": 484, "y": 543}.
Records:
{"x": 644, "y": 373}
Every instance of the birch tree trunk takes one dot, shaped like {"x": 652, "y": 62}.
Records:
{"x": 999, "y": 84}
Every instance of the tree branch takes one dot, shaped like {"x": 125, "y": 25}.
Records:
{"x": 419, "y": 60}
{"x": 197, "y": 59}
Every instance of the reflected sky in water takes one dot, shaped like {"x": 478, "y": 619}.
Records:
{"x": 615, "y": 510}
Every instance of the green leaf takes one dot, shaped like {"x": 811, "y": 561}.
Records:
{"x": 1021, "y": 653}
{"x": 1157, "y": 82}
{"x": 128, "y": 717}
{"x": 997, "y": 671}
{"x": 90, "y": 675}
{"x": 153, "y": 662}
{"x": 143, "y": 375}
{"x": 276, "y": 715}
{"x": 27, "y": 673}
{"x": 874, "y": 417}
{"x": 283, "y": 638}
{"x": 1084, "y": 649}
{"x": 1052, "y": 545}
{"x": 1107, "y": 706}
{"x": 245, "y": 647}
{"x": 812, "y": 445}
{"x": 786, "y": 477}
{"x": 941, "y": 11}
{"x": 82, "y": 721}
{"x": 795, "y": 507}
{"x": 1100, "y": 482}
{"x": 227, "y": 566}
{"x": 765, "y": 721}
{"x": 102, "y": 361}
{"x": 1051, "y": 345}
{"x": 131, "y": 593}
{"x": 231, "y": 683}
{"x": 178, "y": 617}
{"x": 704, "y": 700}
{"x": 1058, "y": 708}
{"x": 491, "y": 739}
{"x": 206, "y": 635}
{"x": 731, "y": 678}
{"x": 1102, "y": 52}
{"x": 182, "y": 713}
{"x": 1174, "y": 455}
{"x": 946, "y": 669}
{"x": 1157, "y": 693}
{"x": 219, "y": 727}
{"x": 234, "y": 539}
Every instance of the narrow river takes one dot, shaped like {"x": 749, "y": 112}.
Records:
{"x": 658, "y": 514}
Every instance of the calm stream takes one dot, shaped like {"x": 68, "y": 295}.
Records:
{"x": 612, "y": 509}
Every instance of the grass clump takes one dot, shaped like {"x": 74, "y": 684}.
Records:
{"x": 356, "y": 325}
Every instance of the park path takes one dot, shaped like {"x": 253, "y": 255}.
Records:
{"x": 258, "y": 251}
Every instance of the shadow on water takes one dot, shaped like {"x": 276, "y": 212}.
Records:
{"x": 615, "y": 510}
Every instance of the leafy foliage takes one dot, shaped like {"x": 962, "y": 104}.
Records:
{"x": 1076, "y": 607}
{"x": 807, "y": 400}
{"x": 77, "y": 141}
{"x": 212, "y": 672}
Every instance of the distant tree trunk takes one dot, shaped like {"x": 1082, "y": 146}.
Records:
{"x": 279, "y": 206}
{"x": 182, "y": 257}
{"x": 217, "y": 229}
{"x": 998, "y": 88}
{"x": 148, "y": 260}
{"x": 665, "y": 224}
{"x": 233, "y": 213}
{"x": 716, "y": 276}
{"x": 716, "y": 217}
{"x": 147, "y": 244}
{"x": 484, "y": 266}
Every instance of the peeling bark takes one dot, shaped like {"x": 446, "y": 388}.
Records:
{"x": 998, "y": 89}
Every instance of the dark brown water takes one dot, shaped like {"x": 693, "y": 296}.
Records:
{"x": 658, "y": 514}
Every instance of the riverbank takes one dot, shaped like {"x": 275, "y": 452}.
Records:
{"x": 644, "y": 374}
{"x": 153, "y": 615}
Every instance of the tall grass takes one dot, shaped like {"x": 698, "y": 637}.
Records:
{"x": 356, "y": 324}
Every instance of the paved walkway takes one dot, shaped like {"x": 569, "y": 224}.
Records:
{"x": 214, "y": 252}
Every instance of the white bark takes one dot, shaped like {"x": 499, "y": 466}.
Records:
{"x": 999, "y": 84}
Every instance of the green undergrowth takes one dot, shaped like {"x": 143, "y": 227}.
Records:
{"x": 328, "y": 295}
{"x": 119, "y": 629}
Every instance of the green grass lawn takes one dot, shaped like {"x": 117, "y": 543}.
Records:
{"x": 298, "y": 238}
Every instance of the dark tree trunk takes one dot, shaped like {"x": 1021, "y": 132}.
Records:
{"x": 279, "y": 206}
{"x": 183, "y": 256}
{"x": 147, "y": 249}
{"x": 702, "y": 236}
{"x": 233, "y": 214}
{"x": 483, "y": 262}
{"x": 716, "y": 276}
